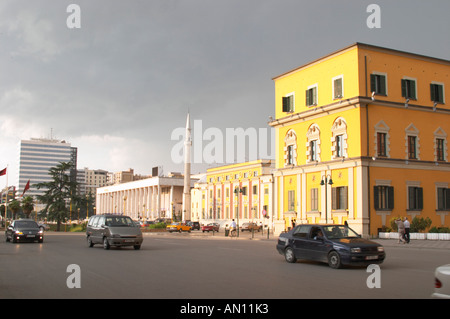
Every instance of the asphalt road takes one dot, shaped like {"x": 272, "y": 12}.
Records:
{"x": 182, "y": 266}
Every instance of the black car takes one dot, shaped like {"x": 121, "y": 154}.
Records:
{"x": 24, "y": 229}
{"x": 336, "y": 245}
{"x": 194, "y": 225}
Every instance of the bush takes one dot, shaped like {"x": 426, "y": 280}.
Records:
{"x": 440, "y": 230}
{"x": 419, "y": 224}
{"x": 157, "y": 225}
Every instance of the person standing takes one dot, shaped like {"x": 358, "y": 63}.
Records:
{"x": 401, "y": 230}
{"x": 407, "y": 226}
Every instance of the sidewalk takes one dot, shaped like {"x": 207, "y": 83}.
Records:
{"x": 415, "y": 243}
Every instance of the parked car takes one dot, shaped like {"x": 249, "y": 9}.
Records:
{"x": 336, "y": 245}
{"x": 442, "y": 282}
{"x": 147, "y": 223}
{"x": 24, "y": 229}
{"x": 250, "y": 227}
{"x": 44, "y": 226}
{"x": 113, "y": 230}
{"x": 194, "y": 225}
{"x": 178, "y": 227}
{"x": 211, "y": 227}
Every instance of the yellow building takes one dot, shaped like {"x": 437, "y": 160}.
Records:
{"x": 238, "y": 191}
{"x": 362, "y": 137}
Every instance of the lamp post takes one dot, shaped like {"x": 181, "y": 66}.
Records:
{"x": 325, "y": 181}
{"x": 238, "y": 190}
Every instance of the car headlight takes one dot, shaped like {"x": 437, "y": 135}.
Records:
{"x": 380, "y": 248}
{"x": 355, "y": 250}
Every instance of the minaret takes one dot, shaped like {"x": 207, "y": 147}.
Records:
{"x": 187, "y": 172}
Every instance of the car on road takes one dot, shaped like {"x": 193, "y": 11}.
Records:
{"x": 442, "y": 282}
{"x": 337, "y": 245}
{"x": 250, "y": 227}
{"x": 194, "y": 225}
{"x": 24, "y": 229}
{"x": 113, "y": 230}
{"x": 44, "y": 226}
{"x": 211, "y": 227}
{"x": 178, "y": 227}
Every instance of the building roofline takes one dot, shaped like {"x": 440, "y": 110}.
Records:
{"x": 363, "y": 46}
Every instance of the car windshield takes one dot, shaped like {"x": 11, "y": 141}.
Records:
{"x": 119, "y": 221}
{"x": 339, "y": 231}
{"x": 26, "y": 224}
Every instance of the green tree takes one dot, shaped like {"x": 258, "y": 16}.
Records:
{"x": 27, "y": 205}
{"x": 60, "y": 194}
{"x": 14, "y": 206}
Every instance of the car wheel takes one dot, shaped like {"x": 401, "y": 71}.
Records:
{"x": 289, "y": 255}
{"x": 334, "y": 260}
{"x": 106, "y": 244}
{"x": 89, "y": 241}
{"x": 137, "y": 247}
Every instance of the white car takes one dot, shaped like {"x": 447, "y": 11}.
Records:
{"x": 442, "y": 282}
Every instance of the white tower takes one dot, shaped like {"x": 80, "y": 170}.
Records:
{"x": 187, "y": 172}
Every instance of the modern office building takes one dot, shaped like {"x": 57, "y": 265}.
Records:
{"x": 362, "y": 137}
{"x": 37, "y": 156}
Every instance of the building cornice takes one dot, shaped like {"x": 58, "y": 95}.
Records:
{"x": 357, "y": 101}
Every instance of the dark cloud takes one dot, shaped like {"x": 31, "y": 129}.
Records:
{"x": 135, "y": 67}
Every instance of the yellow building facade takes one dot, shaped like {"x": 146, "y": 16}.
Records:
{"x": 362, "y": 137}
{"x": 241, "y": 191}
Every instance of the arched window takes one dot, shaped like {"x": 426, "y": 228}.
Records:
{"x": 313, "y": 144}
{"x": 339, "y": 138}
{"x": 290, "y": 148}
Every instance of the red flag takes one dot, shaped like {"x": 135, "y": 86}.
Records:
{"x": 27, "y": 187}
{"x": 3, "y": 172}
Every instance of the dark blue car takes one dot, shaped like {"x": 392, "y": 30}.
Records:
{"x": 336, "y": 245}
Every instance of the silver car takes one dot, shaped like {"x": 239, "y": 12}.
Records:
{"x": 113, "y": 230}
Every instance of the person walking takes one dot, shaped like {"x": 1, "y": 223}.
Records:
{"x": 401, "y": 230}
{"x": 407, "y": 226}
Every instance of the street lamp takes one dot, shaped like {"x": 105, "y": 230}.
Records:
{"x": 238, "y": 190}
{"x": 325, "y": 181}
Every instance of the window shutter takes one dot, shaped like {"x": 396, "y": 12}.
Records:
{"x": 419, "y": 197}
{"x": 382, "y": 88}
{"x": 390, "y": 197}
{"x": 411, "y": 198}
{"x": 447, "y": 198}
{"x": 308, "y": 100}
{"x": 314, "y": 97}
{"x": 373, "y": 83}
{"x": 285, "y": 104}
{"x": 433, "y": 92}
{"x": 412, "y": 89}
{"x": 404, "y": 90}
{"x": 344, "y": 196}
{"x": 440, "y": 93}
{"x": 376, "y": 189}
{"x": 333, "y": 197}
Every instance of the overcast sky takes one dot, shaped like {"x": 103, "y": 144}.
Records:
{"x": 118, "y": 87}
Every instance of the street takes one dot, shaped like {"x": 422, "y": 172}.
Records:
{"x": 183, "y": 266}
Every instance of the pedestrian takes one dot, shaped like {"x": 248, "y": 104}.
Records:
{"x": 232, "y": 228}
{"x": 407, "y": 226}
{"x": 401, "y": 230}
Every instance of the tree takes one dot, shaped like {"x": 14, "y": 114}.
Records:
{"x": 60, "y": 193}
{"x": 14, "y": 205}
{"x": 27, "y": 205}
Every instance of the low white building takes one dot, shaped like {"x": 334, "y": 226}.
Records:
{"x": 150, "y": 198}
